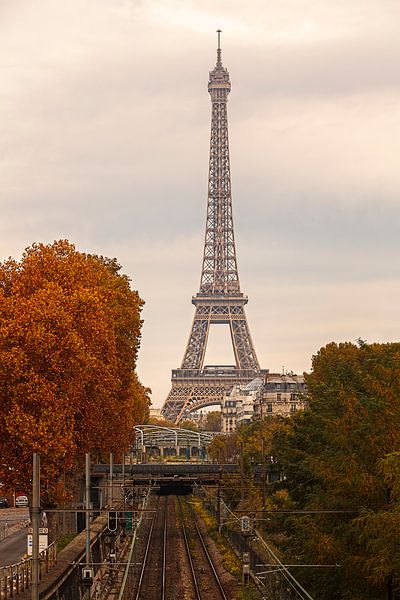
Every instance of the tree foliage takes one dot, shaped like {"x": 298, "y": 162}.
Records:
{"x": 160, "y": 422}
{"x": 188, "y": 424}
{"x": 213, "y": 421}
{"x": 69, "y": 338}
{"x": 342, "y": 454}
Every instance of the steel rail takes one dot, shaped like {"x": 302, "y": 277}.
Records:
{"x": 164, "y": 559}
{"x": 207, "y": 554}
{"x": 146, "y": 554}
{"x": 185, "y": 537}
{"x": 143, "y": 569}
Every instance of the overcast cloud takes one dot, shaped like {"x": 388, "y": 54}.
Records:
{"x": 104, "y": 133}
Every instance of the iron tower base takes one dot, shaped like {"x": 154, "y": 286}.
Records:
{"x": 193, "y": 389}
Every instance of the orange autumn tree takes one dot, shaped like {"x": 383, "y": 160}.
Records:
{"x": 69, "y": 337}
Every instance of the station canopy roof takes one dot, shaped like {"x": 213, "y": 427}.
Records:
{"x": 155, "y": 435}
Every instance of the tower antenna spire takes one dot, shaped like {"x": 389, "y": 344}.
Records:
{"x": 219, "y": 60}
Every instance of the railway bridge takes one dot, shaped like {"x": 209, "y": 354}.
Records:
{"x": 161, "y": 473}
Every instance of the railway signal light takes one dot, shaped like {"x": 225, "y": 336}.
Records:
{"x": 112, "y": 520}
{"x": 245, "y": 522}
{"x": 128, "y": 521}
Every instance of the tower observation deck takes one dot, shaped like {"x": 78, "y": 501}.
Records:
{"x": 219, "y": 299}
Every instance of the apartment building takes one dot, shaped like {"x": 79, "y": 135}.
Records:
{"x": 237, "y": 408}
{"x": 277, "y": 394}
{"x": 281, "y": 395}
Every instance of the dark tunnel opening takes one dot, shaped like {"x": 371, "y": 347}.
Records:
{"x": 175, "y": 489}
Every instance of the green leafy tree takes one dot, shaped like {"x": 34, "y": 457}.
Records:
{"x": 339, "y": 463}
{"x": 188, "y": 424}
{"x": 213, "y": 421}
{"x": 341, "y": 454}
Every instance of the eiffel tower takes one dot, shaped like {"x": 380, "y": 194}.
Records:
{"x": 219, "y": 299}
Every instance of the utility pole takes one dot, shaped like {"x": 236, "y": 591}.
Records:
{"x": 389, "y": 588}
{"x": 123, "y": 479}
{"x": 219, "y": 503}
{"x": 87, "y": 497}
{"x": 110, "y": 499}
{"x": 35, "y": 526}
{"x": 242, "y": 470}
{"x": 87, "y": 571}
{"x": 263, "y": 471}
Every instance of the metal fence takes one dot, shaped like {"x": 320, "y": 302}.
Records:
{"x": 17, "y": 578}
{"x": 3, "y": 530}
{"x": 10, "y": 525}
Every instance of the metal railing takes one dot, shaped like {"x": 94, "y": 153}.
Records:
{"x": 12, "y": 524}
{"x": 17, "y": 578}
{"x": 3, "y": 530}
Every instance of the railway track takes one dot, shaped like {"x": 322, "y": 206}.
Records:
{"x": 176, "y": 557}
{"x": 152, "y": 578}
{"x": 203, "y": 585}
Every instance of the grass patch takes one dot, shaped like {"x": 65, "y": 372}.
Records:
{"x": 64, "y": 540}
{"x": 249, "y": 593}
{"x": 229, "y": 560}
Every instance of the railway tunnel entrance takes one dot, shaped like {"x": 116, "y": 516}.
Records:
{"x": 172, "y": 488}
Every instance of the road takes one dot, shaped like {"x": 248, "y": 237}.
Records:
{"x": 12, "y": 548}
{"x": 14, "y": 545}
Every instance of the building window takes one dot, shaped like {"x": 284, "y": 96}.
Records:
{"x": 293, "y": 396}
{"x": 293, "y": 408}
{"x": 278, "y": 386}
{"x": 269, "y": 408}
{"x": 278, "y": 397}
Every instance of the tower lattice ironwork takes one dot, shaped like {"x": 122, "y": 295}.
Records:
{"x": 219, "y": 299}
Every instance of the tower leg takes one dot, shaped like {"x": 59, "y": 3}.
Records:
{"x": 197, "y": 343}
{"x": 245, "y": 354}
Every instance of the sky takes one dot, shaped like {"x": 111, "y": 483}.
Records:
{"x": 104, "y": 136}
